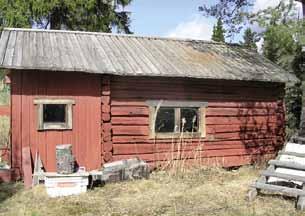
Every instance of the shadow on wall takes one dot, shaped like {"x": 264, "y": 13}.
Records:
{"x": 263, "y": 128}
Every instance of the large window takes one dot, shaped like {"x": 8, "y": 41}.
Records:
{"x": 174, "y": 118}
{"x": 54, "y": 114}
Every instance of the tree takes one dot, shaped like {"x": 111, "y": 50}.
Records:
{"x": 249, "y": 39}
{"x": 84, "y": 15}
{"x": 218, "y": 32}
{"x": 236, "y": 13}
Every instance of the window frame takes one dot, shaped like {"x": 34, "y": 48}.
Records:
{"x": 154, "y": 105}
{"x": 67, "y": 125}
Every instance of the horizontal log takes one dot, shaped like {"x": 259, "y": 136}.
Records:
{"x": 174, "y": 147}
{"x": 126, "y": 81}
{"x": 287, "y": 164}
{"x": 288, "y": 177}
{"x": 145, "y": 139}
{"x": 149, "y": 95}
{"x": 242, "y": 120}
{"x": 130, "y": 130}
{"x": 241, "y": 112}
{"x": 129, "y": 111}
{"x": 292, "y": 154}
{"x": 219, "y": 104}
{"x": 279, "y": 189}
{"x": 193, "y": 155}
{"x": 211, "y": 129}
{"x": 135, "y": 120}
{"x": 144, "y": 130}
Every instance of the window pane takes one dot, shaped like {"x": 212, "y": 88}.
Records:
{"x": 189, "y": 119}
{"x": 54, "y": 113}
{"x": 165, "y": 121}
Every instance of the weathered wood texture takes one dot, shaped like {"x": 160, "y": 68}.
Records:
{"x": 86, "y": 133}
{"x": 244, "y": 120}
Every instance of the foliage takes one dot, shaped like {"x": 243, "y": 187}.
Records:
{"x": 233, "y": 13}
{"x": 89, "y": 15}
{"x": 218, "y": 32}
{"x": 293, "y": 103}
{"x": 236, "y": 14}
{"x": 283, "y": 46}
{"x": 249, "y": 39}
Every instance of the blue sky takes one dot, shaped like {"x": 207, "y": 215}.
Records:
{"x": 177, "y": 18}
{"x": 162, "y": 17}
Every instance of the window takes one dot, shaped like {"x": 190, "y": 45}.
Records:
{"x": 54, "y": 114}
{"x": 172, "y": 118}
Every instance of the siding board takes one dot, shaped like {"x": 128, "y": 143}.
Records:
{"x": 242, "y": 119}
{"x": 85, "y": 136}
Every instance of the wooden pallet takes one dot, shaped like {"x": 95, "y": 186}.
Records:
{"x": 291, "y": 181}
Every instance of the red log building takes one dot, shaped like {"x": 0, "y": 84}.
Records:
{"x": 116, "y": 96}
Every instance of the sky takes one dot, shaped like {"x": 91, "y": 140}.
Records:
{"x": 177, "y": 18}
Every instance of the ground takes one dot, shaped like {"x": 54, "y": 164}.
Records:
{"x": 193, "y": 192}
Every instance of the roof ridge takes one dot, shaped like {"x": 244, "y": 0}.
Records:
{"x": 113, "y": 34}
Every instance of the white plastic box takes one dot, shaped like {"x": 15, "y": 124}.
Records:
{"x": 58, "y": 185}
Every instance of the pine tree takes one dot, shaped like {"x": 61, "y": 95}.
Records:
{"x": 83, "y": 15}
{"x": 249, "y": 39}
{"x": 218, "y": 32}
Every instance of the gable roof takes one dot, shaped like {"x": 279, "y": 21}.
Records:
{"x": 129, "y": 55}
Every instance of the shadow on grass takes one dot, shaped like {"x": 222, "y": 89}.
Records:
{"x": 7, "y": 190}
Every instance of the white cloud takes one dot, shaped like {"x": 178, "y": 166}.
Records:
{"x": 264, "y": 4}
{"x": 198, "y": 27}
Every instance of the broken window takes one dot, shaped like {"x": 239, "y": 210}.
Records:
{"x": 174, "y": 118}
{"x": 54, "y": 114}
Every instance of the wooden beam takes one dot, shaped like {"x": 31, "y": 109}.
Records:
{"x": 279, "y": 189}
{"x": 286, "y": 164}
{"x": 283, "y": 176}
{"x": 27, "y": 167}
{"x": 292, "y": 154}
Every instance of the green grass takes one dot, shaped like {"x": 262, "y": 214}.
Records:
{"x": 194, "y": 192}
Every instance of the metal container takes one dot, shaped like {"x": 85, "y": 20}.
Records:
{"x": 65, "y": 162}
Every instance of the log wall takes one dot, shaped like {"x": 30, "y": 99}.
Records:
{"x": 244, "y": 120}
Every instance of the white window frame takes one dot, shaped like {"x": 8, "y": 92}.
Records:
{"x": 154, "y": 106}
{"x": 54, "y": 125}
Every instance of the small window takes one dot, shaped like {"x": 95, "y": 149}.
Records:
{"x": 165, "y": 121}
{"x": 54, "y": 114}
{"x": 172, "y": 118}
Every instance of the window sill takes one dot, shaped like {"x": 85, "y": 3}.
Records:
{"x": 55, "y": 126}
{"x": 186, "y": 135}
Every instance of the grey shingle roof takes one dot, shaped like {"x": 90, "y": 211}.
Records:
{"x": 104, "y": 53}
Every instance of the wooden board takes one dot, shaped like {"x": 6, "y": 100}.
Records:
{"x": 85, "y": 136}
{"x": 27, "y": 167}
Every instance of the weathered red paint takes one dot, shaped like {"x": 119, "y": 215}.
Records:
{"x": 244, "y": 120}
{"x": 85, "y": 136}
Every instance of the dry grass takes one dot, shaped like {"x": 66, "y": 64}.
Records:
{"x": 193, "y": 192}
{"x": 4, "y": 131}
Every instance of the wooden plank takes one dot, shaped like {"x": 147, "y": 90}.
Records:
{"x": 241, "y": 120}
{"x": 286, "y": 164}
{"x": 292, "y": 154}
{"x": 293, "y": 192}
{"x": 283, "y": 176}
{"x": 27, "y": 166}
{"x": 129, "y": 111}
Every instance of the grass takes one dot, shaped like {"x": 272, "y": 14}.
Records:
{"x": 193, "y": 192}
